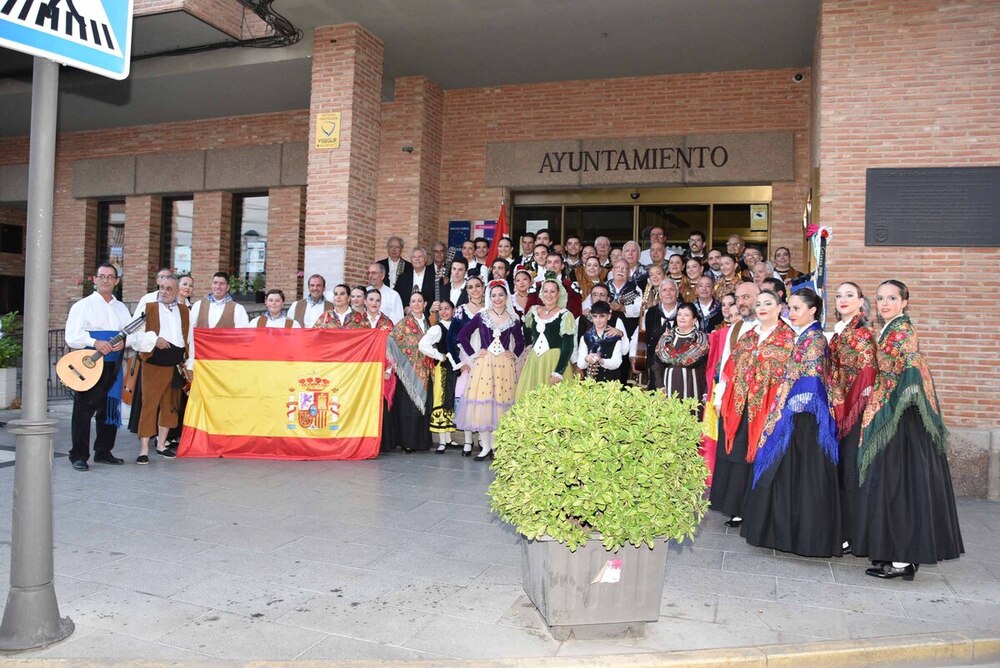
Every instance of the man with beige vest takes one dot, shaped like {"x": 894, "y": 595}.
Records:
{"x": 307, "y": 311}
{"x": 216, "y": 311}
{"x": 162, "y": 350}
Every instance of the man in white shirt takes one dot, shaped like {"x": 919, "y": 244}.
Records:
{"x": 417, "y": 278}
{"x": 307, "y": 311}
{"x": 91, "y": 322}
{"x": 162, "y": 348}
{"x": 216, "y": 311}
{"x": 478, "y": 267}
{"x": 746, "y": 299}
{"x": 392, "y": 305}
{"x": 152, "y": 296}
{"x": 656, "y": 236}
{"x": 393, "y": 265}
{"x": 454, "y": 287}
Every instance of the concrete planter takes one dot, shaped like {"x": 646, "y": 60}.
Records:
{"x": 560, "y": 584}
{"x": 8, "y": 386}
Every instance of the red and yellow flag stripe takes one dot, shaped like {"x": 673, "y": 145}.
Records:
{"x": 285, "y": 394}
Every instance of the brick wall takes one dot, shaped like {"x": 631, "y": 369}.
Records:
{"x": 916, "y": 84}
{"x": 745, "y": 101}
{"x": 228, "y": 16}
{"x": 340, "y": 211}
{"x": 70, "y": 221}
{"x": 286, "y": 221}
{"x": 143, "y": 216}
{"x": 409, "y": 182}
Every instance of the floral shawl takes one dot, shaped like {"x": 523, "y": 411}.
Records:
{"x": 408, "y": 334}
{"x": 758, "y": 368}
{"x": 903, "y": 380}
{"x": 802, "y": 390}
{"x": 851, "y": 373}
{"x": 675, "y": 349}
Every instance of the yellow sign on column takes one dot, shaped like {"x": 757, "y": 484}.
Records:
{"x": 328, "y": 130}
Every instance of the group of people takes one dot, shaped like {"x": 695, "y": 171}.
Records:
{"x": 817, "y": 448}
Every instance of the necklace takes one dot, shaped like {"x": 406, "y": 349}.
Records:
{"x": 498, "y": 313}
{"x": 550, "y": 311}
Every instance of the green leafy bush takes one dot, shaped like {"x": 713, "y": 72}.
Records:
{"x": 582, "y": 459}
{"x": 10, "y": 344}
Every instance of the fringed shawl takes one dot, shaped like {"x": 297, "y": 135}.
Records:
{"x": 758, "y": 368}
{"x": 801, "y": 391}
{"x": 852, "y": 373}
{"x": 903, "y": 381}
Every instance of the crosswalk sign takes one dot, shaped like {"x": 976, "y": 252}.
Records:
{"x": 91, "y": 35}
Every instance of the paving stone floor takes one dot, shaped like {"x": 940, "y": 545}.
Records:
{"x": 401, "y": 558}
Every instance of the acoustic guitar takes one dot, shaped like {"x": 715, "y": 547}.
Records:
{"x": 438, "y": 277}
{"x": 79, "y": 370}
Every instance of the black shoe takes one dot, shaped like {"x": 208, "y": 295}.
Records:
{"x": 887, "y": 571}
{"x": 109, "y": 459}
{"x": 166, "y": 452}
{"x": 80, "y": 465}
{"x": 733, "y": 523}
{"x": 482, "y": 458}
{"x": 441, "y": 450}
{"x": 467, "y": 453}
{"x": 846, "y": 549}
{"x": 142, "y": 459}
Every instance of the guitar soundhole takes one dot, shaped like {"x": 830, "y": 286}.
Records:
{"x": 89, "y": 363}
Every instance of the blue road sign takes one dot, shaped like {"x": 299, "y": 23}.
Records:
{"x": 92, "y": 35}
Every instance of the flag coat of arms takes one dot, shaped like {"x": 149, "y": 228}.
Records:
{"x": 267, "y": 393}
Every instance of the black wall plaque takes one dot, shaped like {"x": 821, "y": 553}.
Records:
{"x": 950, "y": 206}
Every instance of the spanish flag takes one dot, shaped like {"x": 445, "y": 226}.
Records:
{"x": 269, "y": 393}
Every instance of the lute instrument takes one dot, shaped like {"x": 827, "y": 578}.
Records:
{"x": 79, "y": 370}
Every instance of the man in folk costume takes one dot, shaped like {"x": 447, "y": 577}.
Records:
{"x": 162, "y": 349}
{"x": 215, "y": 311}
{"x": 394, "y": 265}
{"x": 91, "y": 323}
{"x": 152, "y": 296}
{"x": 307, "y": 311}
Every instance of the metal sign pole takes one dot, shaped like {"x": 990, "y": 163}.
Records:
{"x": 31, "y": 618}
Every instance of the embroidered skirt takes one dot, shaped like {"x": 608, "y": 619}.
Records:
{"x": 489, "y": 394}
{"x": 442, "y": 418}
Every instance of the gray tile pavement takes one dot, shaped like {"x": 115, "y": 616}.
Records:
{"x": 401, "y": 558}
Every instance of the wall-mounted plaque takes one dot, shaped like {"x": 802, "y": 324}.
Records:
{"x": 948, "y": 206}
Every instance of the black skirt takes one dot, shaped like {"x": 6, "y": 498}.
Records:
{"x": 847, "y": 472}
{"x": 906, "y": 506}
{"x": 408, "y": 427}
{"x": 732, "y": 472}
{"x": 795, "y": 505}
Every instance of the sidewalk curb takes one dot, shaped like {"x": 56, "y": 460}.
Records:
{"x": 931, "y": 649}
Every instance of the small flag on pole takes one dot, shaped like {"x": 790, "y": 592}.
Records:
{"x": 499, "y": 232}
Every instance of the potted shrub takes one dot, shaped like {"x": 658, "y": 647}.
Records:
{"x": 10, "y": 353}
{"x": 597, "y": 478}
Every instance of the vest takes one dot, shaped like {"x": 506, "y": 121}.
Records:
{"x": 442, "y": 345}
{"x": 262, "y": 322}
{"x": 153, "y": 323}
{"x": 227, "y": 321}
{"x": 300, "y": 310}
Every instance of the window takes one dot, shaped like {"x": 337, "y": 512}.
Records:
{"x": 11, "y": 239}
{"x": 677, "y": 220}
{"x": 111, "y": 239}
{"x": 589, "y": 222}
{"x": 249, "y": 246}
{"x": 175, "y": 250}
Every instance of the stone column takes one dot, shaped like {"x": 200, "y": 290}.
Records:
{"x": 286, "y": 211}
{"x": 340, "y": 211}
{"x": 143, "y": 226}
{"x": 211, "y": 237}
{"x": 409, "y": 185}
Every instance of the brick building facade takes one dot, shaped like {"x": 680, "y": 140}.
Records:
{"x": 891, "y": 85}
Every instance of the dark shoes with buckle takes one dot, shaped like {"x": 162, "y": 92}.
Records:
{"x": 886, "y": 571}
{"x": 80, "y": 465}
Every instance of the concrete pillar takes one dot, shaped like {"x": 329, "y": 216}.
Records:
{"x": 286, "y": 215}
{"x": 409, "y": 185}
{"x": 211, "y": 237}
{"x": 143, "y": 226}
{"x": 340, "y": 211}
